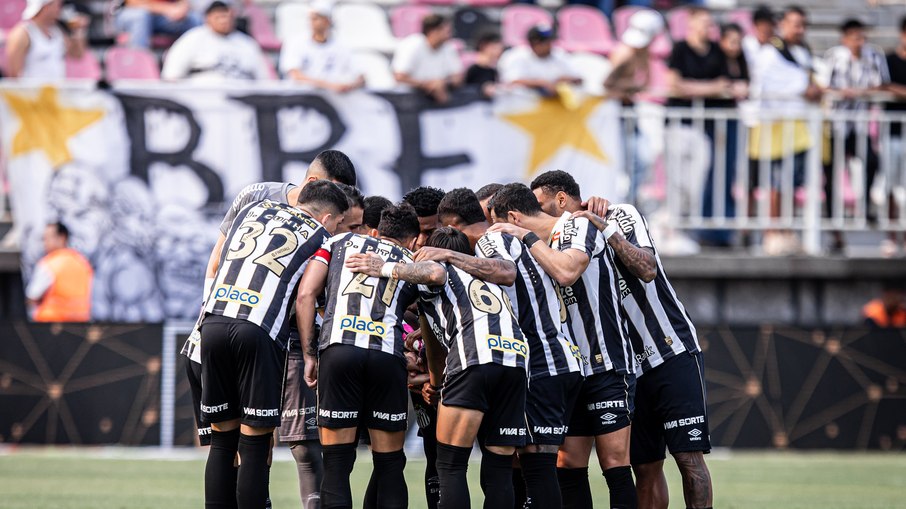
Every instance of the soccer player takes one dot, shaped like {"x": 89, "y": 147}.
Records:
{"x": 371, "y": 215}
{"x": 244, "y": 334}
{"x": 474, "y": 341}
{"x": 361, "y": 370}
{"x": 556, "y": 365}
{"x": 668, "y": 359}
{"x": 484, "y": 194}
{"x": 576, "y": 259}
{"x": 425, "y": 200}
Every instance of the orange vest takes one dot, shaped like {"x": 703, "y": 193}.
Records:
{"x": 69, "y": 297}
{"x": 876, "y": 312}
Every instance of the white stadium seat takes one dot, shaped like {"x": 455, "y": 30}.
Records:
{"x": 376, "y": 68}
{"x": 291, "y": 20}
{"x": 363, "y": 26}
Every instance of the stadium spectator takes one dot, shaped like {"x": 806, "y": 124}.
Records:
{"x": 427, "y": 61}
{"x": 698, "y": 70}
{"x": 215, "y": 51}
{"x": 319, "y": 60}
{"x": 539, "y": 66}
{"x": 857, "y": 69}
{"x": 783, "y": 85}
{"x": 36, "y": 47}
{"x": 888, "y": 310}
{"x": 141, "y": 19}
{"x": 425, "y": 200}
{"x": 896, "y": 159}
{"x": 765, "y": 25}
{"x": 483, "y": 73}
{"x": 60, "y": 288}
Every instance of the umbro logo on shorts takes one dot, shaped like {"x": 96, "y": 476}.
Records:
{"x": 695, "y": 433}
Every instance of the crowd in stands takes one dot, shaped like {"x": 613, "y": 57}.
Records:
{"x": 758, "y": 58}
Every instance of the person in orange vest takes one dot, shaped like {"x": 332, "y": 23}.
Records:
{"x": 60, "y": 288}
{"x": 889, "y": 310}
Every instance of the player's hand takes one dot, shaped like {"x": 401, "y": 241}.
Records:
{"x": 311, "y": 371}
{"x": 510, "y": 228}
{"x": 417, "y": 381}
{"x": 597, "y": 205}
{"x": 369, "y": 264}
{"x": 430, "y": 395}
{"x": 432, "y": 254}
{"x": 596, "y": 220}
{"x": 412, "y": 338}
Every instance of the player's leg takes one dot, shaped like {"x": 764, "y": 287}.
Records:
{"x": 613, "y": 411}
{"x": 613, "y": 457}
{"x": 193, "y": 375}
{"x": 427, "y": 415}
{"x": 299, "y": 427}
{"x": 459, "y": 416}
{"x": 572, "y": 470}
{"x": 647, "y": 448}
{"x": 503, "y": 431}
{"x": 310, "y": 467}
{"x": 651, "y": 485}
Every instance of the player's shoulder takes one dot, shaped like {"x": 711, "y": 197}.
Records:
{"x": 626, "y": 215}
{"x": 493, "y": 242}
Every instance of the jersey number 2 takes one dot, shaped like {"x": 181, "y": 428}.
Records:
{"x": 248, "y": 241}
{"x": 358, "y": 285}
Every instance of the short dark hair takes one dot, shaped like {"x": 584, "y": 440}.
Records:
{"x": 399, "y": 222}
{"x": 60, "y": 229}
{"x": 516, "y": 198}
{"x": 851, "y": 24}
{"x": 323, "y": 195}
{"x": 450, "y": 238}
{"x": 763, "y": 13}
{"x": 794, "y": 9}
{"x": 371, "y": 212}
{"x": 337, "y": 166}
{"x": 695, "y": 10}
{"x": 726, "y": 28}
{"x": 432, "y": 22}
{"x": 488, "y": 191}
{"x": 353, "y": 195}
{"x": 555, "y": 181}
{"x": 216, "y": 5}
{"x": 485, "y": 38}
{"x": 425, "y": 199}
{"x": 462, "y": 202}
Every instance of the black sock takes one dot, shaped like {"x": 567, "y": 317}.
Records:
{"x": 220, "y": 472}
{"x": 542, "y": 489}
{"x": 338, "y": 462}
{"x": 518, "y": 489}
{"x": 371, "y": 491}
{"x": 575, "y": 490}
{"x": 432, "y": 481}
{"x": 391, "y": 483}
{"x": 310, "y": 467}
{"x": 622, "y": 488}
{"x": 254, "y": 472}
{"x": 452, "y": 467}
{"x": 497, "y": 480}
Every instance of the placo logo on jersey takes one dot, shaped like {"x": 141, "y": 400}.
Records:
{"x": 362, "y": 325}
{"x": 508, "y": 345}
{"x": 230, "y": 293}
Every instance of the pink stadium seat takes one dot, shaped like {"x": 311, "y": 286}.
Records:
{"x": 487, "y": 3}
{"x": 261, "y": 28}
{"x": 678, "y": 23}
{"x": 130, "y": 64}
{"x": 10, "y": 13}
{"x": 584, "y": 28}
{"x": 468, "y": 58}
{"x": 517, "y": 19}
{"x": 435, "y": 2}
{"x": 743, "y": 18}
{"x": 661, "y": 46}
{"x": 85, "y": 68}
{"x": 407, "y": 19}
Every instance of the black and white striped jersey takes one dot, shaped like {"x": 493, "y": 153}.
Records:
{"x": 361, "y": 310}
{"x": 539, "y": 308}
{"x": 274, "y": 191}
{"x": 594, "y": 317}
{"x": 263, "y": 259}
{"x": 659, "y": 326}
{"x": 474, "y": 320}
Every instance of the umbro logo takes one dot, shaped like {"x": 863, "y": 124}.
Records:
{"x": 608, "y": 418}
{"x": 695, "y": 433}
{"x": 311, "y": 422}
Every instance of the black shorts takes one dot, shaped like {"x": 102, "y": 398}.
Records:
{"x": 241, "y": 373}
{"x": 497, "y": 391}
{"x": 361, "y": 386}
{"x": 425, "y": 415}
{"x": 300, "y": 403}
{"x": 671, "y": 410}
{"x": 193, "y": 373}
{"x": 548, "y": 406}
{"x": 606, "y": 404}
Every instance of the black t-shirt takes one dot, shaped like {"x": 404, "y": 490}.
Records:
{"x": 897, "y": 68}
{"x": 692, "y": 65}
{"x": 479, "y": 75}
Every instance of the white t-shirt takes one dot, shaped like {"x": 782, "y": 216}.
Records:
{"x": 523, "y": 64}
{"x": 204, "y": 55}
{"x": 779, "y": 82}
{"x": 415, "y": 57}
{"x": 45, "y": 59}
{"x": 328, "y": 61}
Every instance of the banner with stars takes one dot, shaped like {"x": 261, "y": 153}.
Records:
{"x": 142, "y": 174}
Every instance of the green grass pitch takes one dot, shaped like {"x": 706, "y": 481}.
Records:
{"x": 99, "y": 478}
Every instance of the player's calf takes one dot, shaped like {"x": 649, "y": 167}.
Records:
{"x": 696, "y": 479}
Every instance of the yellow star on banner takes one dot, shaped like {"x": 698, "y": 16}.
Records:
{"x": 552, "y": 126}
{"x": 46, "y": 125}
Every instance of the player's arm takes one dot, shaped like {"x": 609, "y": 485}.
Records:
{"x": 565, "y": 267}
{"x": 310, "y": 287}
{"x": 638, "y": 259}
{"x": 420, "y": 273}
{"x": 496, "y": 271}
{"x": 436, "y": 354}
{"x": 214, "y": 260}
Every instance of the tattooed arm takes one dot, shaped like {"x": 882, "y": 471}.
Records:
{"x": 420, "y": 273}
{"x": 499, "y": 272}
{"x": 639, "y": 260}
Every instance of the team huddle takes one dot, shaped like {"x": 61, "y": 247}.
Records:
{"x": 527, "y": 319}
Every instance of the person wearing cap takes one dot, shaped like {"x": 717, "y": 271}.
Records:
{"x": 319, "y": 60}
{"x": 37, "y": 47}
{"x": 216, "y": 51}
{"x": 764, "y": 27}
{"x": 427, "y": 61}
{"x": 539, "y": 66}
{"x": 140, "y": 19}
